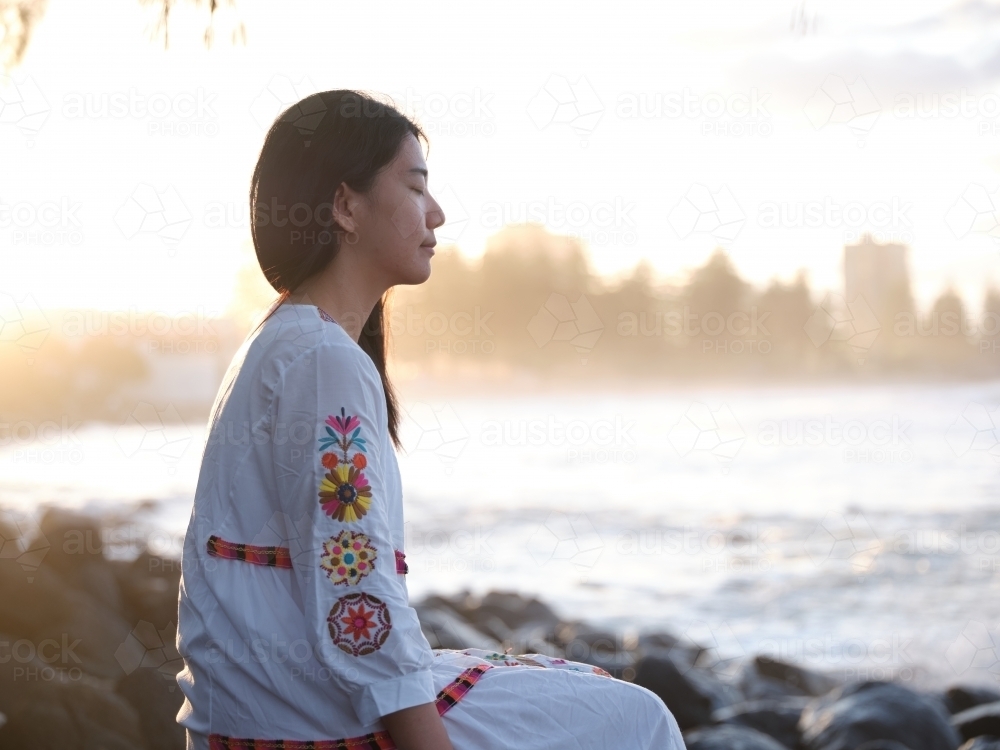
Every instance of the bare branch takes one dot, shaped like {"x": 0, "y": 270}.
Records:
{"x": 17, "y": 21}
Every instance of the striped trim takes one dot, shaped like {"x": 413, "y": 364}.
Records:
{"x": 372, "y": 741}
{"x": 453, "y": 693}
{"x": 401, "y": 567}
{"x": 275, "y": 557}
{"x": 448, "y": 697}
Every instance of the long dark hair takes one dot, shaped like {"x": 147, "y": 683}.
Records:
{"x": 313, "y": 146}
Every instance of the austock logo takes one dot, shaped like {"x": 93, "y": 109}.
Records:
{"x": 701, "y": 210}
{"x": 837, "y": 102}
{"x": 976, "y": 211}
{"x": 147, "y": 647}
{"x": 23, "y": 105}
{"x": 572, "y": 103}
{"x": 147, "y": 429}
{"x": 566, "y": 538}
{"x": 561, "y": 320}
{"x": 439, "y": 431}
{"x": 853, "y": 323}
{"x": 841, "y": 539}
{"x": 976, "y": 429}
{"x": 702, "y": 430}
{"x": 23, "y": 324}
{"x": 161, "y": 213}
{"x": 22, "y": 540}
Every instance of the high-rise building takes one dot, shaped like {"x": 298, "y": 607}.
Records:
{"x": 880, "y": 274}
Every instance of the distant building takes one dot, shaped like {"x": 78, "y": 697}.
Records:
{"x": 880, "y": 274}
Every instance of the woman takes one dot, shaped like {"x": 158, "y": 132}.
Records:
{"x": 294, "y": 621}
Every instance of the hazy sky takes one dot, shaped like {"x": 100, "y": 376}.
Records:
{"x": 886, "y": 112}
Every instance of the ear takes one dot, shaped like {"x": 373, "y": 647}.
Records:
{"x": 345, "y": 207}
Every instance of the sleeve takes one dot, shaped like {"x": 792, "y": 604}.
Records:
{"x": 326, "y": 419}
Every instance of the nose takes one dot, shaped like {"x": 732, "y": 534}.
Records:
{"x": 435, "y": 216}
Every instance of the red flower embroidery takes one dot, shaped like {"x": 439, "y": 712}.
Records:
{"x": 359, "y": 624}
{"x": 330, "y": 460}
{"x": 359, "y": 460}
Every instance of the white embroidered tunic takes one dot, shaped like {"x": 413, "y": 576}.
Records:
{"x": 294, "y": 620}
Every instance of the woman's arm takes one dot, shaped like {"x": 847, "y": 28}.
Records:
{"x": 417, "y": 728}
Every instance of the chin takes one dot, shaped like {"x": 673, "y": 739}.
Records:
{"x": 417, "y": 275}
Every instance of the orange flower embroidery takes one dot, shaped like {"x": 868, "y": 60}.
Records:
{"x": 359, "y": 624}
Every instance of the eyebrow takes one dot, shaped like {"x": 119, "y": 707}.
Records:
{"x": 421, "y": 170}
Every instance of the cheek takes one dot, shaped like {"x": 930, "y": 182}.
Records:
{"x": 408, "y": 218}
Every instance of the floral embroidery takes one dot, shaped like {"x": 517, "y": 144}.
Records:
{"x": 348, "y": 557}
{"x": 505, "y": 659}
{"x": 348, "y": 428}
{"x": 401, "y": 567}
{"x": 359, "y": 624}
{"x": 344, "y": 492}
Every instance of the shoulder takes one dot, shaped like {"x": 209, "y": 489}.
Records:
{"x": 296, "y": 340}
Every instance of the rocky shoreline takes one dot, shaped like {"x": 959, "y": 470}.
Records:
{"x": 87, "y": 661}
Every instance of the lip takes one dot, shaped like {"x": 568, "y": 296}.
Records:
{"x": 429, "y": 248}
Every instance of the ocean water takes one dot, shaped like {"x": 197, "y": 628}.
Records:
{"x": 850, "y": 529}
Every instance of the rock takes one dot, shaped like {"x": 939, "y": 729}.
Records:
{"x": 958, "y": 698}
{"x": 28, "y": 607}
{"x": 757, "y": 687}
{"x": 861, "y": 712}
{"x": 516, "y": 610}
{"x": 604, "y": 649}
{"x": 509, "y": 608}
{"x": 763, "y": 677}
{"x": 978, "y": 721}
{"x": 444, "y": 629}
{"x": 729, "y": 737}
{"x": 722, "y": 694}
{"x": 983, "y": 742}
{"x": 149, "y": 586}
{"x": 71, "y": 714}
{"x": 776, "y": 718}
{"x": 156, "y": 699}
{"x": 882, "y": 745}
{"x": 688, "y": 705}
{"x": 805, "y": 680}
{"x": 48, "y": 608}
{"x": 15, "y": 668}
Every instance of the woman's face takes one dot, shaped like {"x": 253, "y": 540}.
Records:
{"x": 398, "y": 222}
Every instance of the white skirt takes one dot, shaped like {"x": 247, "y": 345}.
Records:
{"x": 537, "y": 702}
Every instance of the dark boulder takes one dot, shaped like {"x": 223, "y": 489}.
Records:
{"x": 980, "y": 720}
{"x": 959, "y": 698}
{"x": 156, "y": 698}
{"x": 689, "y": 706}
{"x": 984, "y": 742}
{"x": 730, "y": 737}
{"x": 71, "y": 714}
{"x": 763, "y": 677}
{"x": 862, "y": 712}
{"x": 777, "y": 718}
{"x": 443, "y": 628}
{"x": 807, "y": 681}
{"x": 149, "y": 586}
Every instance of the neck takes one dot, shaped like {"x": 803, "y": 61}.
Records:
{"x": 347, "y": 292}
